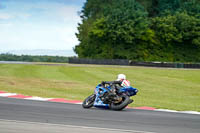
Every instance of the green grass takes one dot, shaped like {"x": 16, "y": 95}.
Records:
{"x": 177, "y": 89}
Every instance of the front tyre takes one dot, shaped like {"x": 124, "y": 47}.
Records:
{"x": 122, "y": 104}
{"x": 89, "y": 101}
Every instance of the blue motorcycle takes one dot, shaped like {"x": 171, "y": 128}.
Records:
{"x": 110, "y": 96}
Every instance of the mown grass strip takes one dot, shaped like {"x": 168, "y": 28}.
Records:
{"x": 176, "y": 89}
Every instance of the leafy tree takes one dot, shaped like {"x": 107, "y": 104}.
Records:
{"x": 166, "y": 7}
{"x": 92, "y": 10}
{"x": 179, "y": 32}
{"x": 145, "y": 30}
{"x": 192, "y": 7}
{"x": 122, "y": 25}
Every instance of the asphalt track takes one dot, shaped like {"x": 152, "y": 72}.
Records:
{"x": 27, "y": 116}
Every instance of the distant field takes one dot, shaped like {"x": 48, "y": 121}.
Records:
{"x": 177, "y": 89}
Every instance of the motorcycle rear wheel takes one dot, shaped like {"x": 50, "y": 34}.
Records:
{"x": 89, "y": 101}
{"x": 122, "y": 104}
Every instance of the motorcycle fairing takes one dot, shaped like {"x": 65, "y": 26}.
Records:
{"x": 130, "y": 91}
{"x": 99, "y": 90}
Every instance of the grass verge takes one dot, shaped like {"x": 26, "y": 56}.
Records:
{"x": 177, "y": 89}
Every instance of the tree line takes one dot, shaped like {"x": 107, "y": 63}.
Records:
{"x": 29, "y": 58}
{"x": 140, "y": 30}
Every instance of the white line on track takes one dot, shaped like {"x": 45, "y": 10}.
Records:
{"x": 190, "y": 112}
{"x": 79, "y": 103}
{"x": 38, "y": 98}
{"x": 174, "y": 111}
{"x": 73, "y": 126}
{"x": 7, "y": 94}
{"x": 166, "y": 110}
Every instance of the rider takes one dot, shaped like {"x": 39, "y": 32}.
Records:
{"x": 122, "y": 78}
{"x": 120, "y": 82}
{"x": 117, "y": 84}
{"x": 124, "y": 82}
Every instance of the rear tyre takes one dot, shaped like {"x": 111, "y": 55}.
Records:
{"x": 122, "y": 104}
{"x": 89, "y": 101}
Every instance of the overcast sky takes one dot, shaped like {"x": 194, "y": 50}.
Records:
{"x": 39, "y": 24}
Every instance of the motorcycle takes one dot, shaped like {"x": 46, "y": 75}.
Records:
{"x": 110, "y": 97}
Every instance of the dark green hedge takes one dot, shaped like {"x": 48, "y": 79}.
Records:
{"x": 28, "y": 58}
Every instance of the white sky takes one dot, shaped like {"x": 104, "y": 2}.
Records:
{"x": 39, "y": 24}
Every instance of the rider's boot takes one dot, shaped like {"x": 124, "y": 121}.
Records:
{"x": 130, "y": 101}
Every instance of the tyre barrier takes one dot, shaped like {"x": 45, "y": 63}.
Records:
{"x": 133, "y": 63}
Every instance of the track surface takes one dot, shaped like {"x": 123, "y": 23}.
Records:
{"x": 51, "y": 117}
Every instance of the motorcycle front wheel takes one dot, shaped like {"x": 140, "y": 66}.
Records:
{"x": 89, "y": 101}
{"x": 121, "y": 105}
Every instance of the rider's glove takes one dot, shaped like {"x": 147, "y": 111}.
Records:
{"x": 103, "y": 82}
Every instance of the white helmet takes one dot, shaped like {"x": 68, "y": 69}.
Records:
{"x": 121, "y": 77}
